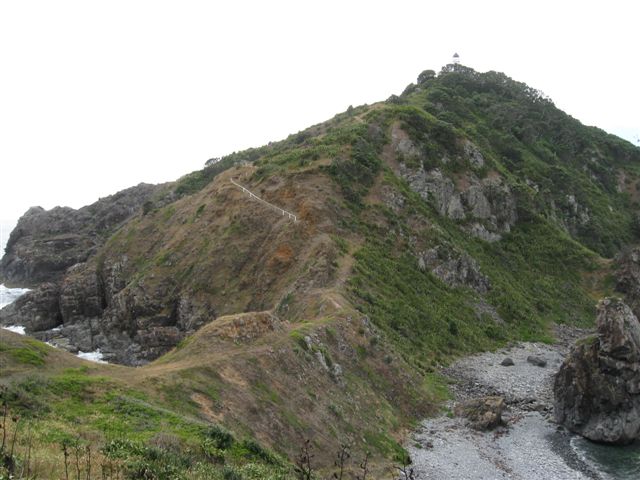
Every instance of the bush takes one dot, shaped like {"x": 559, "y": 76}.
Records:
{"x": 221, "y": 438}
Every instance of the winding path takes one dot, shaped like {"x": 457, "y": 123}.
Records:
{"x": 271, "y": 205}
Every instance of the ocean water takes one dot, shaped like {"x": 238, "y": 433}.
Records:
{"x": 9, "y": 295}
{"x": 612, "y": 462}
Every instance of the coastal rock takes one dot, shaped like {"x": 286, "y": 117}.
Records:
{"x": 597, "y": 390}
{"x": 628, "y": 277}
{"x": 45, "y": 243}
{"x": 36, "y": 310}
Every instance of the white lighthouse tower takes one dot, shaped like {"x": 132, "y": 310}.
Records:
{"x": 456, "y": 59}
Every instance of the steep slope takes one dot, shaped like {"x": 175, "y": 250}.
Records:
{"x": 460, "y": 215}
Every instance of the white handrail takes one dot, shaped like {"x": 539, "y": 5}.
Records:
{"x": 253, "y": 195}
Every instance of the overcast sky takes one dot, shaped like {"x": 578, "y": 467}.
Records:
{"x": 99, "y": 96}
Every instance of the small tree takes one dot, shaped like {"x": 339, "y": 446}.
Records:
{"x": 303, "y": 468}
{"x": 407, "y": 472}
{"x": 364, "y": 467}
{"x": 426, "y": 75}
{"x": 342, "y": 458}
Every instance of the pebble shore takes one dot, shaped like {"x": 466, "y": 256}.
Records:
{"x": 529, "y": 447}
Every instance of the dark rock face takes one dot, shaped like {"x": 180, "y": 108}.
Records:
{"x": 47, "y": 242}
{"x": 79, "y": 306}
{"x": 597, "y": 390}
{"x": 628, "y": 277}
{"x": 89, "y": 309}
{"x": 36, "y": 310}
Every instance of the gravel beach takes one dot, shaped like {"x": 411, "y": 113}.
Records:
{"x": 529, "y": 447}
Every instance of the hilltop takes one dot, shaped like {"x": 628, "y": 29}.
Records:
{"x": 463, "y": 214}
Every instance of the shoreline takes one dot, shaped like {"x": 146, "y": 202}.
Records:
{"x": 529, "y": 446}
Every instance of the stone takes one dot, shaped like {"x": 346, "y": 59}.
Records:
{"x": 507, "y": 362}
{"x": 597, "y": 388}
{"x": 36, "y": 310}
{"x": 482, "y": 413}
{"x": 537, "y": 361}
{"x": 454, "y": 268}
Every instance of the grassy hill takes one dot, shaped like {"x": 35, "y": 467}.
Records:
{"x": 463, "y": 214}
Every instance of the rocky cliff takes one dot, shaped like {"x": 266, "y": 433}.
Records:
{"x": 45, "y": 243}
{"x": 597, "y": 390}
{"x": 627, "y": 277}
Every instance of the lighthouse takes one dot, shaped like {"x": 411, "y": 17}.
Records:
{"x": 456, "y": 59}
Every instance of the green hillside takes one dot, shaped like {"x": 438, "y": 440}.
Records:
{"x": 461, "y": 215}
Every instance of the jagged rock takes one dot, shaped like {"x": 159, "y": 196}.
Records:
{"x": 80, "y": 295}
{"x": 36, "y": 310}
{"x": 507, "y": 362}
{"x": 473, "y": 154}
{"x": 537, "y": 361}
{"x": 454, "y": 269}
{"x": 489, "y": 200}
{"x": 434, "y": 186}
{"x": 45, "y": 243}
{"x": 392, "y": 198}
{"x": 597, "y": 390}
{"x": 628, "y": 277}
{"x": 482, "y": 413}
{"x": 480, "y": 231}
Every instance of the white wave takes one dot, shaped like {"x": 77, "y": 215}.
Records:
{"x": 95, "y": 356}
{"x": 10, "y": 295}
{"x": 15, "y": 329}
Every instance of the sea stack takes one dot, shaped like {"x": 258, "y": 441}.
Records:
{"x": 597, "y": 390}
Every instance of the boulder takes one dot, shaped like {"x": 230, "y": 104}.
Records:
{"x": 597, "y": 390}
{"x": 454, "y": 268}
{"x": 482, "y": 413}
{"x": 537, "y": 361}
{"x": 507, "y": 362}
{"x": 36, "y": 310}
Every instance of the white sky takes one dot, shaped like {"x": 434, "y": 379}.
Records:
{"x": 98, "y": 96}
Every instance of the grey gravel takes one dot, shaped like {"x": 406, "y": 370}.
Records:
{"x": 446, "y": 448}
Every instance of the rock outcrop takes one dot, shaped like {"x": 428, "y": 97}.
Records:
{"x": 628, "y": 277}
{"x": 45, "y": 243}
{"x": 454, "y": 268}
{"x": 597, "y": 390}
{"x": 485, "y": 207}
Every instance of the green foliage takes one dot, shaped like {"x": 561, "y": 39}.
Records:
{"x": 196, "y": 181}
{"x": 33, "y": 353}
{"x": 298, "y": 338}
{"x": 529, "y": 139}
{"x": 220, "y": 437}
{"x": 356, "y": 173}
